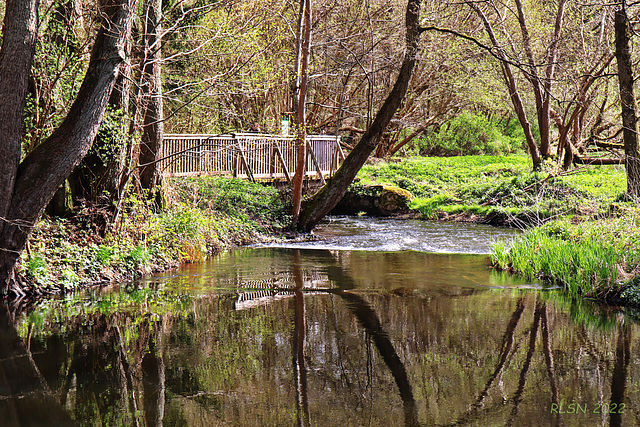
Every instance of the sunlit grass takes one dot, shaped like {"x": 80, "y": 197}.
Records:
{"x": 503, "y": 188}
{"x": 594, "y": 258}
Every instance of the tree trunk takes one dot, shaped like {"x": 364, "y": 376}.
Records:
{"x": 533, "y": 78}
{"x": 299, "y": 99}
{"x": 98, "y": 177}
{"x": 151, "y": 143}
{"x": 329, "y": 196}
{"x": 510, "y": 80}
{"x": 16, "y": 57}
{"x": 628, "y": 102}
{"x": 44, "y": 169}
{"x": 552, "y": 54}
{"x": 542, "y": 90}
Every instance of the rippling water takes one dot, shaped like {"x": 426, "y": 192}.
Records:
{"x": 389, "y": 234}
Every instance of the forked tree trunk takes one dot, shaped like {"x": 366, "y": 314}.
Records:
{"x": 510, "y": 80}
{"x": 628, "y": 102}
{"x": 329, "y": 196}
{"x": 44, "y": 169}
{"x": 542, "y": 89}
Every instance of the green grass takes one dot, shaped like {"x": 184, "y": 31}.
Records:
{"x": 501, "y": 188}
{"x": 597, "y": 258}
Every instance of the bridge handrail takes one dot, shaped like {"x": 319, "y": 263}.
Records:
{"x": 247, "y": 155}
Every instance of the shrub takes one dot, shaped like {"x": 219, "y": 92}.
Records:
{"x": 470, "y": 134}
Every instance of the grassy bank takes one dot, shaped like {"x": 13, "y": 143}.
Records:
{"x": 594, "y": 258}
{"x": 500, "y": 190}
{"x": 581, "y": 234}
{"x": 203, "y": 216}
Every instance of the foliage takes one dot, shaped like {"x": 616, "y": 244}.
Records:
{"x": 205, "y": 216}
{"x": 112, "y": 135}
{"x": 244, "y": 48}
{"x": 58, "y": 69}
{"x": 469, "y": 134}
{"x": 234, "y": 197}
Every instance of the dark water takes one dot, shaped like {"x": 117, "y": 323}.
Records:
{"x": 281, "y": 336}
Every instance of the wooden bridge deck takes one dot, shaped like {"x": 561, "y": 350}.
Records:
{"x": 248, "y": 155}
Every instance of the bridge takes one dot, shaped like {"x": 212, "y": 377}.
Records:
{"x": 251, "y": 156}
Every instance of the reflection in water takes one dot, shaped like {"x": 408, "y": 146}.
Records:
{"x": 505, "y": 350}
{"x": 533, "y": 334}
{"x": 548, "y": 358}
{"x": 337, "y": 338}
{"x": 25, "y": 396}
{"x": 619, "y": 380}
{"x": 299, "y": 331}
{"x": 153, "y": 378}
{"x": 370, "y": 322}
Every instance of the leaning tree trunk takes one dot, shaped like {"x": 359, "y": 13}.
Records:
{"x": 44, "y": 169}
{"x": 628, "y": 102}
{"x": 151, "y": 142}
{"x": 98, "y": 177}
{"x": 329, "y": 196}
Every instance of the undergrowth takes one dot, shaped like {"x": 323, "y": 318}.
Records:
{"x": 203, "y": 216}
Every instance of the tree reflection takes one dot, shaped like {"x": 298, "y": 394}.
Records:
{"x": 505, "y": 351}
{"x": 25, "y": 397}
{"x": 619, "y": 379}
{"x": 299, "y": 331}
{"x": 153, "y": 378}
{"x": 548, "y": 358}
{"x": 533, "y": 334}
{"x": 312, "y": 351}
{"x": 369, "y": 320}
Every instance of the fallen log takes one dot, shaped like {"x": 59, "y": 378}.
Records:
{"x": 598, "y": 161}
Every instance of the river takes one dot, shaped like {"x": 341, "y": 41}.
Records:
{"x": 379, "y": 322}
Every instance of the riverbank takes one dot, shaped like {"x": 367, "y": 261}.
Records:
{"x": 580, "y": 233}
{"x": 203, "y": 216}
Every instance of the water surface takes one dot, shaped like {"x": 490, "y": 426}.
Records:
{"x": 300, "y": 336}
{"x": 389, "y": 234}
